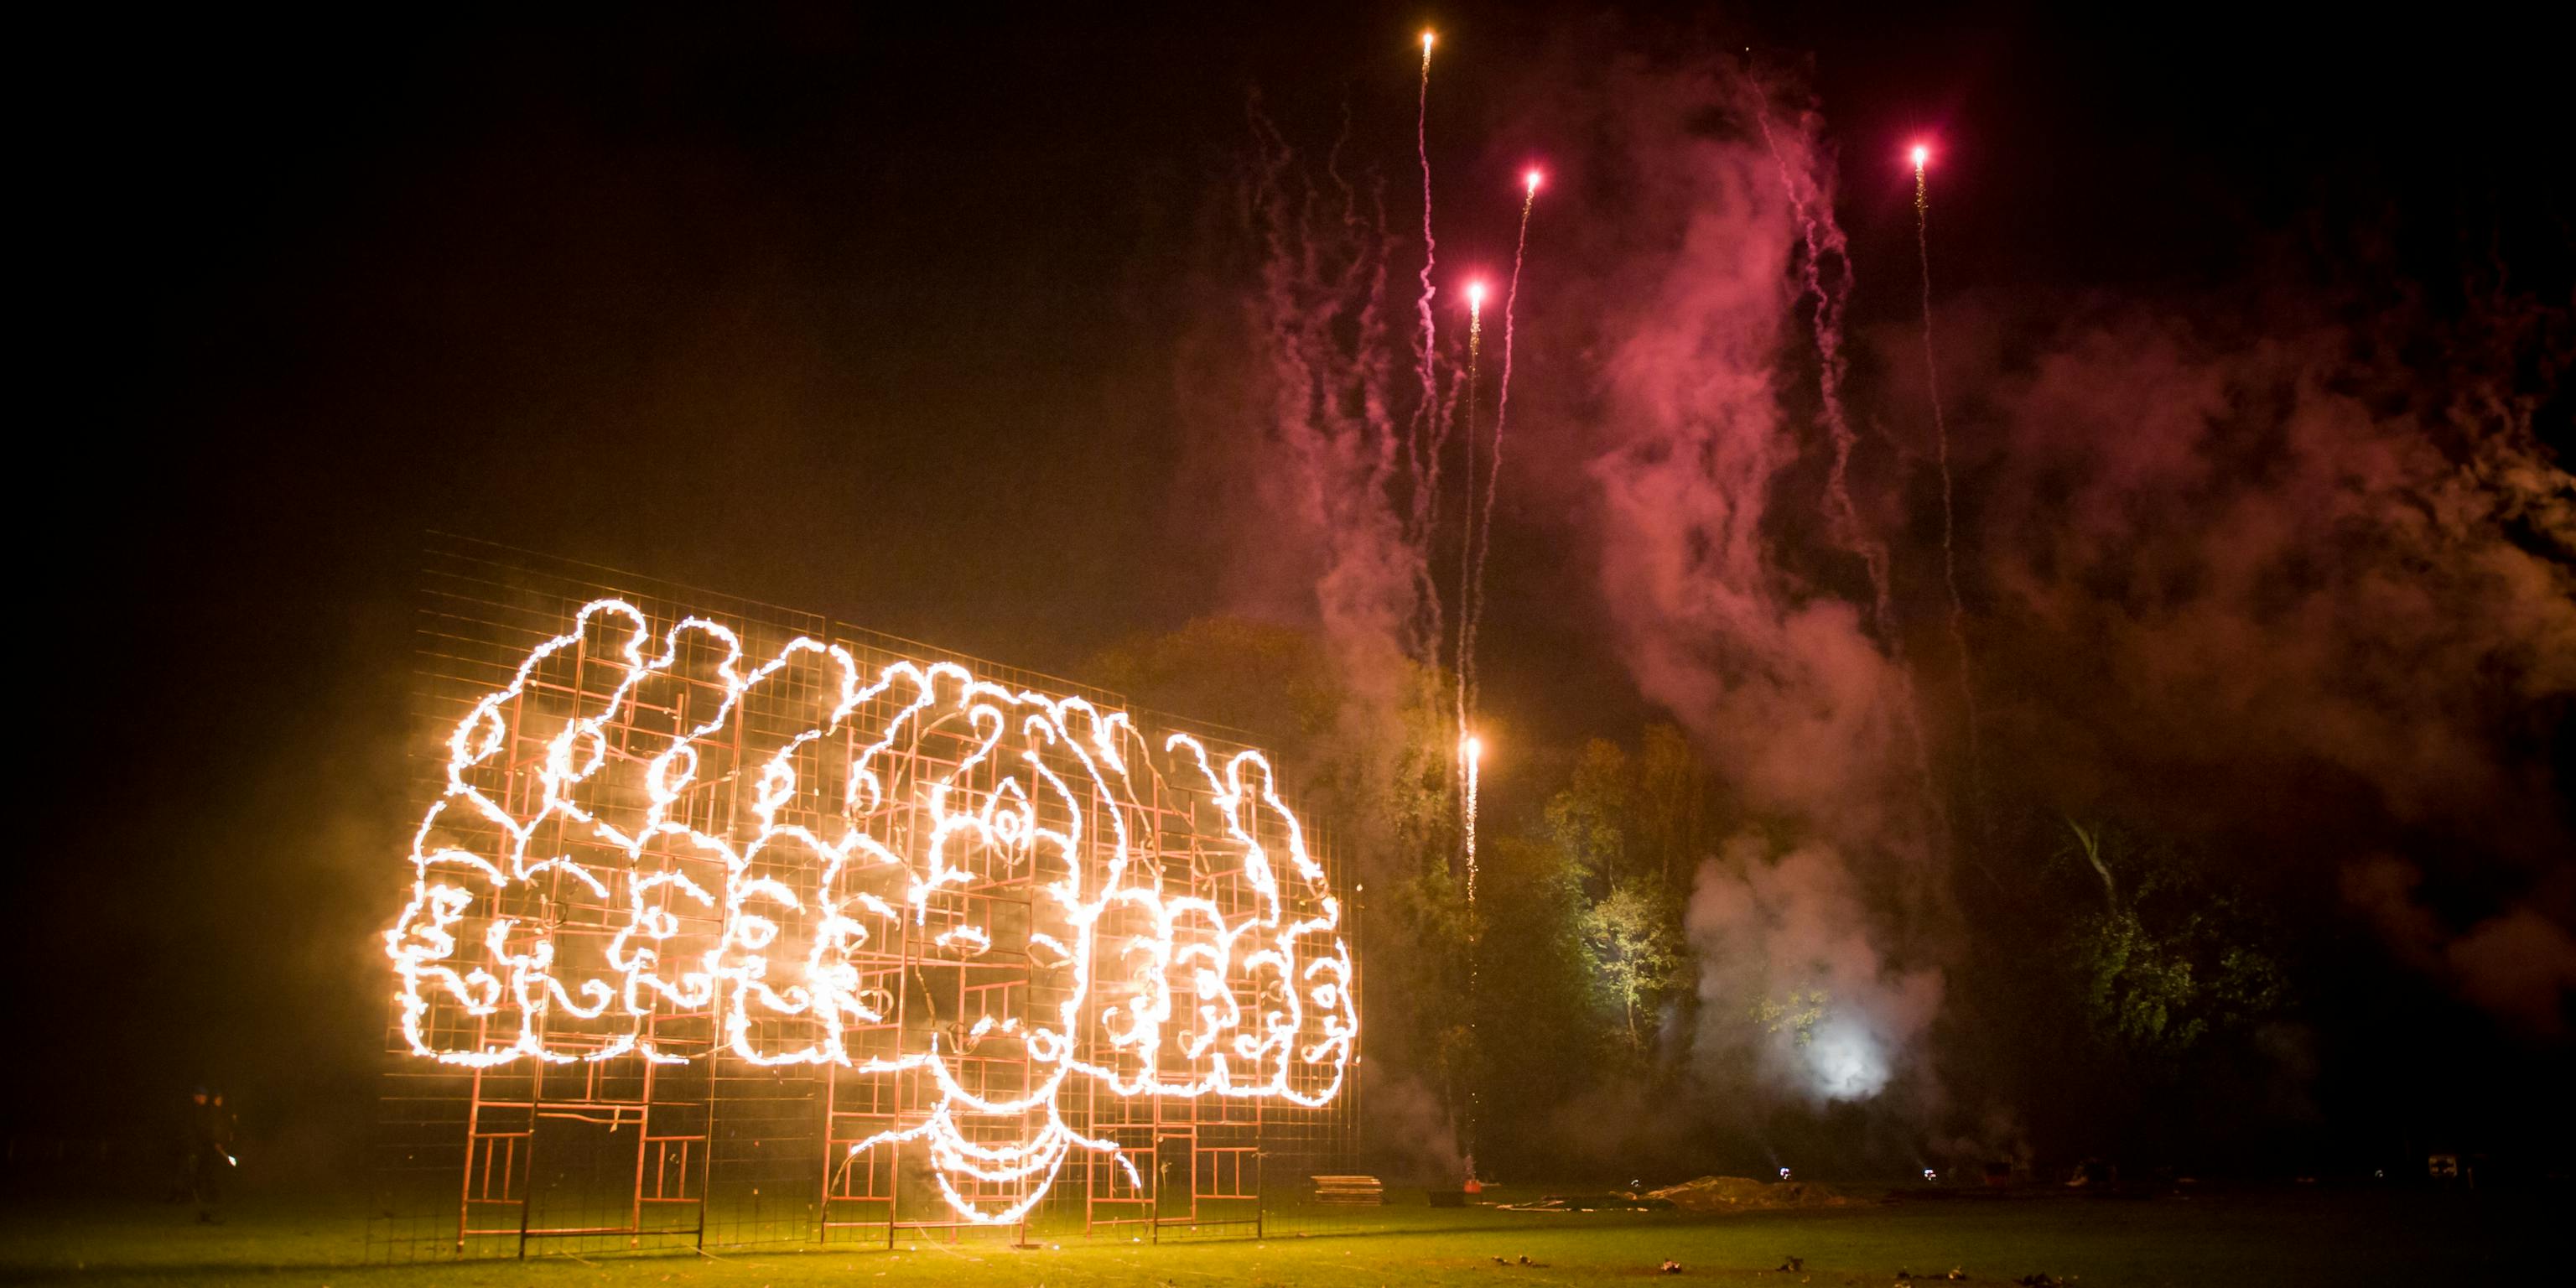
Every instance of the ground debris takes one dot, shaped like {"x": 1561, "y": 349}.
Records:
{"x": 1793, "y": 1264}
{"x": 1670, "y": 1267}
{"x": 1592, "y": 1203}
{"x": 1743, "y": 1193}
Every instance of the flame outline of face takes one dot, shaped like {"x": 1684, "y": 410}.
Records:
{"x": 734, "y": 976}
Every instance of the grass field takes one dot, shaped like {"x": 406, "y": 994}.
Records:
{"x": 2345, "y": 1239}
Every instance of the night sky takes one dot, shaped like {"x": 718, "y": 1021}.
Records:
{"x": 880, "y": 319}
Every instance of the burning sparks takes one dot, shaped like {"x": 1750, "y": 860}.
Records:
{"x": 1471, "y": 755}
{"x": 582, "y": 881}
{"x": 1920, "y": 155}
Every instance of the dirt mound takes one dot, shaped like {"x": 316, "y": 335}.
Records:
{"x": 1744, "y": 1194}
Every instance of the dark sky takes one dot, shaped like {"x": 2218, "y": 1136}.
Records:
{"x": 824, "y": 310}
{"x": 883, "y": 258}
{"x": 897, "y": 280}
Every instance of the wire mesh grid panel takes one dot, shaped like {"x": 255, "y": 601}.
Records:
{"x": 731, "y": 925}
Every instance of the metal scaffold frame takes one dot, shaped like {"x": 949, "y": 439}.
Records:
{"x": 705, "y": 1149}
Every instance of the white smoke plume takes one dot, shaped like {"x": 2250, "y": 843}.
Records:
{"x": 1793, "y": 933}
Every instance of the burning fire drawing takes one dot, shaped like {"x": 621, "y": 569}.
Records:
{"x": 654, "y": 849}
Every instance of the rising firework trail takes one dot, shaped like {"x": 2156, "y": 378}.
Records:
{"x": 1430, "y": 428}
{"x": 1471, "y": 609}
{"x": 1468, "y": 562}
{"x": 1825, "y": 241}
{"x": 1471, "y": 755}
{"x": 1941, "y": 434}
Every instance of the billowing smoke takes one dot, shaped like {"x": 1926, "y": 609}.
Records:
{"x": 2320, "y": 595}
{"x": 1694, "y": 455}
{"x": 2518, "y": 964}
{"x": 2296, "y": 592}
{"x": 1304, "y": 482}
{"x": 1316, "y": 461}
{"x": 1835, "y": 1019}
{"x": 2291, "y": 593}
{"x": 2268, "y": 562}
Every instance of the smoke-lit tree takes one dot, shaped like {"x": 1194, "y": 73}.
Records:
{"x": 1632, "y": 828}
{"x": 1639, "y": 960}
{"x": 2171, "y": 958}
{"x": 1589, "y": 820}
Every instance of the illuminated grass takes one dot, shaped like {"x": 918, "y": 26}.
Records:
{"x": 2266, "y": 1239}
